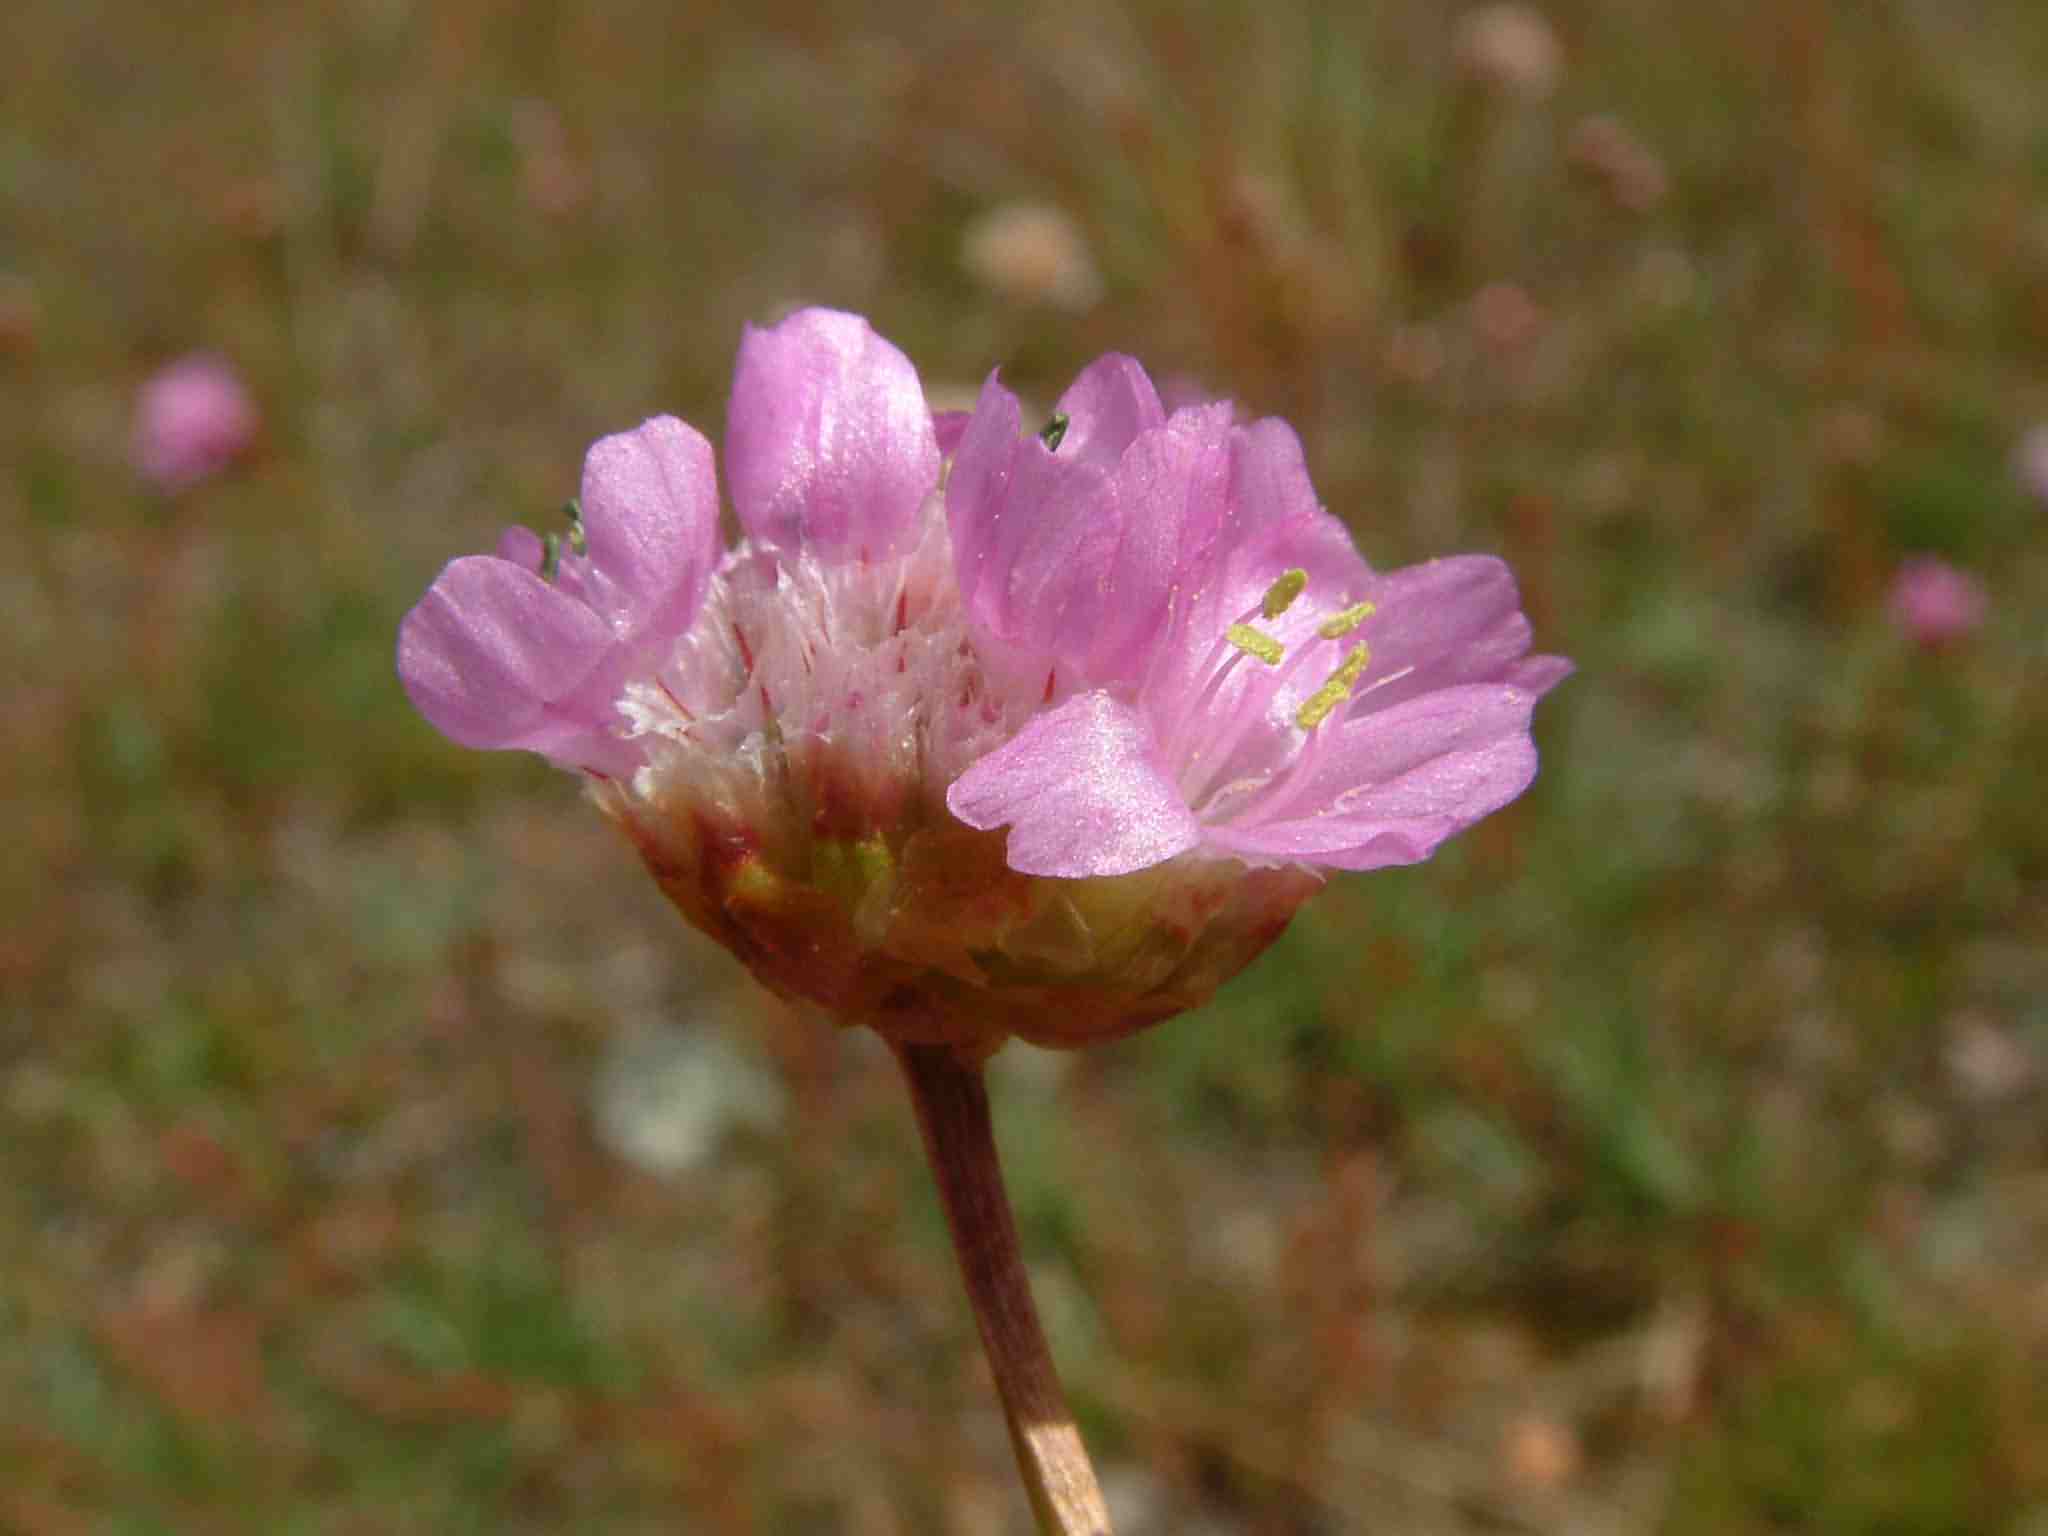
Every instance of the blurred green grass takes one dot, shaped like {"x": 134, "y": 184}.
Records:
{"x": 1669, "y": 1155}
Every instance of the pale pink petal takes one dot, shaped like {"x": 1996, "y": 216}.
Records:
{"x": 948, "y": 427}
{"x": 977, "y": 496}
{"x": 829, "y": 443}
{"x": 1335, "y": 843}
{"x": 1388, "y": 787}
{"x": 1107, "y": 407}
{"x": 1539, "y": 674}
{"x": 1083, "y": 792}
{"x": 1031, "y": 531}
{"x": 1167, "y": 505}
{"x": 1272, "y": 524}
{"x": 495, "y": 657}
{"x": 1083, "y": 554}
{"x": 1383, "y": 794}
{"x": 522, "y": 546}
{"x": 1446, "y": 622}
{"x": 1050, "y": 595}
{"x": 650, "y": 519}
{"x": 1277, "y": 522}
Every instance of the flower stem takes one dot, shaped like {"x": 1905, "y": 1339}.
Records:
{"x": 952, "y": 1111}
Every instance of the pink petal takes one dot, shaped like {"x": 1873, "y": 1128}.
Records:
{"x": 1272, "y": 524}
{"x": 650, "y": 518}
{"x": 1107, "y": 407}
{"x": 1443, "y": 623}
{"x": 1539, "y": 674}
{"x": 1075, "y": 554}
{"x": 948, "y": 427}
{"x": 522, "y": 546}
{"x": 1277, "y": 523}
{"x": 1082, "y": 791}
{"x": 1170, "y": 498}
{"x": 1386, "y": 788}
{"x": 1335, "y": 843}
{"x": 829, "y": 442}
{"x": 977, "y": 493}
{"x": 494, "y": 657}
{"x": 1030, "y": 530}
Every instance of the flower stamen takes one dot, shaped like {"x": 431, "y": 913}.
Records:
{"x": 1209, "y": 758}
{"x": 1285, "y": 589}
{"x": 1317, "y": 707}
{"x": 1253, "y": 642}
{"x": 1240, "y": 639}
{"x": 1283, "y": 790}
{"x": 1340, "y": 624}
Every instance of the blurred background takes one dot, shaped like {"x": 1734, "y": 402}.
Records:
{"x": 382, "y": 1155}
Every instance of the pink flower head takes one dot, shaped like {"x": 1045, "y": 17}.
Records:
{"x": 981, "y": 731}
{"x": 193, "y": 420}
{"x": 1934, "y": 603}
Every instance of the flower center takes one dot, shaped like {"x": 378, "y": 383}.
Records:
{"x": 1241, "y": 639}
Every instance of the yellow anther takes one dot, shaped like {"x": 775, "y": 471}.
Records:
{"x": 1342, "y": 623}
{"x": 1254, "y": 643}
{"x": 1281, "y": 595}
{"x": 1316, "y": 708}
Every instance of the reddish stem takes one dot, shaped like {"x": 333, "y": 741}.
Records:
{"x": 953, "y": 1113}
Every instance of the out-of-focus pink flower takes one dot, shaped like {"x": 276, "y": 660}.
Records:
{"x": 20, "y": 316}
{"x": 1504, "y": 317}
{"x": 555, "y": 181}
{"x": 1604, "y": 149}
{"x": 1511, "y": 47}
{"x": 2030, "y": 463}
{"x": 1049, "y": 744}
{"x": 1032, "y": 253}
{"x": 1934, "y": 603}
{"x": 192, "y": 420}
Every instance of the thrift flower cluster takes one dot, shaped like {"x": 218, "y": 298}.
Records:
{"x": 983, "y": 728}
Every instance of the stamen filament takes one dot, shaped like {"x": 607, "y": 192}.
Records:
{"x": 1223, "y": 652}
{"x": 1213, "y": 753}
